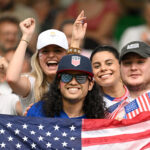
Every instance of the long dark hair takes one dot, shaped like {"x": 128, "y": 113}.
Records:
{"x": 93, "y": 106}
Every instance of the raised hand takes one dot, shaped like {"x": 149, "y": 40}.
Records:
{"x": 79, "y": 29}
{"x": 27, "y": 27}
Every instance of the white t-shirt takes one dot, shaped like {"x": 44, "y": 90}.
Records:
{"x": 8, "y": 100}
{"x": 8, "y": 104}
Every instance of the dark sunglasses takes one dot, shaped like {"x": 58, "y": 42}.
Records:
{"x": 66, "y": 78}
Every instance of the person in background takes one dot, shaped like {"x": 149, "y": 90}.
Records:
{"x": 67, "y": 28}
{"x": 51, "y": 46}
{"x": 9, "y": 102}
{"x": 102, "y": 16}
{"x": 73, "y": 93}
{"x": 21, "y": 12}
{"x": 140, "y": 32}
{"x": 9, "y": 33}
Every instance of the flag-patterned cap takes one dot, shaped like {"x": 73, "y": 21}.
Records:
{"x": 137, "y": 47}
{"x": 75, "y": 62}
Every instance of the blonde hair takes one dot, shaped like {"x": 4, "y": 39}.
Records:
{"x": 41, "y": 84}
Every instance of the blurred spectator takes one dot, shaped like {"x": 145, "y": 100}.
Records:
{"x": 9, "y": 33}
{"x": 9, "y": 102}
{"x": 46, "y": 13}
{"x": 102, "y": 16}
{"x": 21, "y": 12}
{"x": 26, "y": 64}
{"x": 67, "y": 27}
{"x": 138, "y": 33}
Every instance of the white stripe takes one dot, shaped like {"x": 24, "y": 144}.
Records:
{"x": 133, "y": 145}
{"x": 136, "y": 128}
{"x": 130, "y": 115}
{"x": 133, "y": 114}
{"x": 139, "y": 105}
{"x": 147, "y": 101}
{"x": 143, "y": 102}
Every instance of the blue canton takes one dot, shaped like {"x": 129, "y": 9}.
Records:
{"x": 131, "y": 106}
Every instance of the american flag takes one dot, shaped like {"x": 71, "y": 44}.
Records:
{"x": 138, "y": 105}
{"x": 27, "y": 133}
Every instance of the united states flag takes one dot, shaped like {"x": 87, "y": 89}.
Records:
{"x": 27, "y": 133}
{"x": 138, "y": 105}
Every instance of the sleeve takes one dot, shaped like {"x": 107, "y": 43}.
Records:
{"x": 26, "y": 101}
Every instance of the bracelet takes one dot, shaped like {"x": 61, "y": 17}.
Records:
{"x": 25, "y": 41}
{"x": 73, "y": 50}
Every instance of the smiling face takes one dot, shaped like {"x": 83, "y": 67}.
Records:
{"x": 49, "y": 58}
{"x": 105, "y": 68}
{"x": 73, "y": 91}
{"x": 135, "y": 71}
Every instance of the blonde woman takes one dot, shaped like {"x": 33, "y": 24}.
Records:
{"x": 51, "y": 47}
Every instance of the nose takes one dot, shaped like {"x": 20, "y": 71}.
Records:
{"x": 103, "y": 68}
{"x": 73, "y": 81}
{"x": 133, "y": 66}
{"x": 51, "y": 54}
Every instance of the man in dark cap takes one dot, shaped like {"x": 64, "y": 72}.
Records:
{"x": 73, "y": 93}
{"x": 135, "y": 67}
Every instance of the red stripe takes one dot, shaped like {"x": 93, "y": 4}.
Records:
{"x": 148, "y": 99}
{"x": 115, "y": 139}
{"x": 96, "y": 124}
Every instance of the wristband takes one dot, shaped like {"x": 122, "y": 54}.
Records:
{"x": 25, "y": 41}
{"x": 73, "y": 50}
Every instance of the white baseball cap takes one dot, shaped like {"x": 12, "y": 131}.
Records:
{"x": 50, "y": 37}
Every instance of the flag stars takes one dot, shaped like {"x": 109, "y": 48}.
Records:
{"x": 72, "y": 138}
{"x": 64, "y": 144}
{"x": 25, "y": 139}
{"x": 56, "y": 139}
{"x": 25, "y": 126}
{"x": 64, "y": 134}
{"x": 33, "y": 145}
{"x": 72, "y": 128}
{"x": 48, "y": 133}
{"x": 17, "y": 131}
{"x": 2, "y": 131}
{"x": 9, "y": 125}
{"x": 32, "y": 132}
{"x": 48, "y": 145}
{"x": 3, "y": 145}
{"x": 18, "y": 146}
{"x": 10, "y": 138}
{"x": 40, "y": 127}
{"x": 56, "y": 128}
{"x": 40, "y": 138}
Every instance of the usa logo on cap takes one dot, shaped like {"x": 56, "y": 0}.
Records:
{"x": 75, "y": 60}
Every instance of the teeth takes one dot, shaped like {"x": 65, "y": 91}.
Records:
{"x": 73, "y": 89}
{"x": 105, "y": 76}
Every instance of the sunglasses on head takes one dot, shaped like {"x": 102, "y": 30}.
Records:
{"x": 66, "y": 78}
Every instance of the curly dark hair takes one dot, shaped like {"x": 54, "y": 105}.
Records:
{"x": 93, "y": 106}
